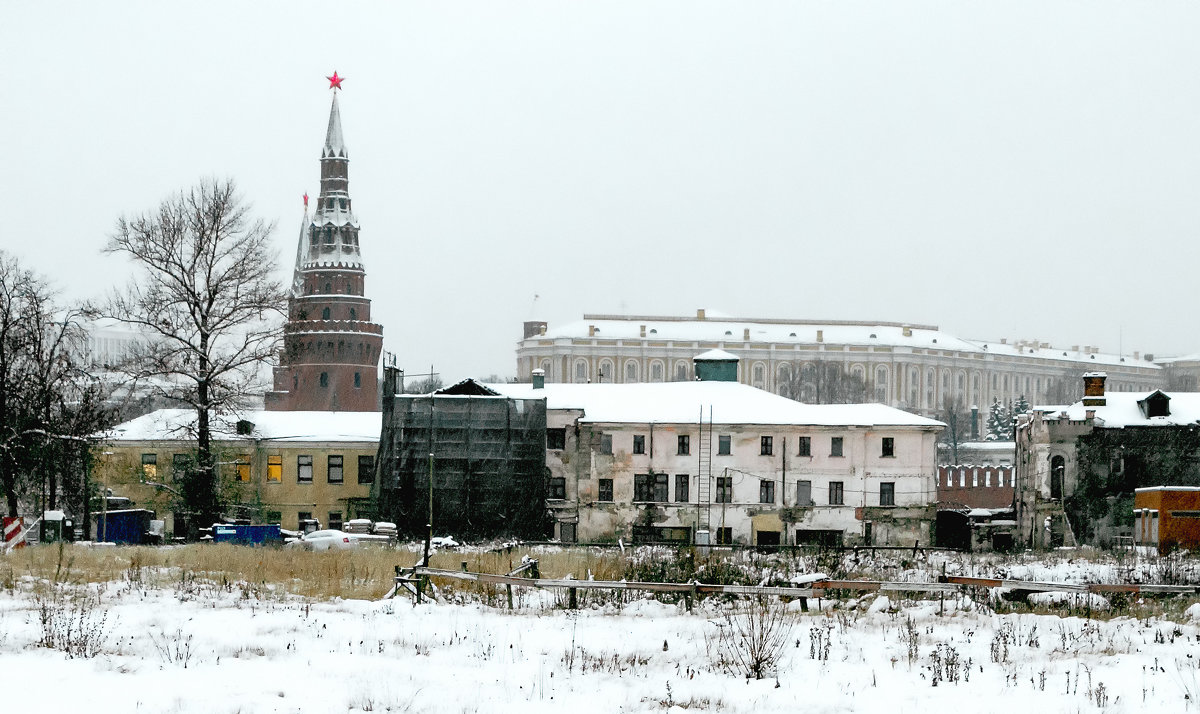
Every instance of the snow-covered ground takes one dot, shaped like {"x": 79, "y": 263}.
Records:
{"x": 196, "y": 647}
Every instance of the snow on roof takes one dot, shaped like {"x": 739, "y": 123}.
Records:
{"x": 681, "y": 402}
{"x": 716, "y": 327}
{"x": 716, "y": 355}
{"x": 1166, "y": 488}
{"x": 179, "y": 424}
{"x": 1121, "y": 409}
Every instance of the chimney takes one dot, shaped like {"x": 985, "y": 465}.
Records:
{"x": 1074, "y": 348}
{"x": 591, "y": 330}
{"x": 907, "y": 330}
{"x": 746, "y": 334}
{"x": 534, "y": 327}
{"x": 1090, "y": 414}
{"x": 643, "y": 330}
{"x": 539, "y": 379}
{"x": 1093, "y": 389}
{"x": 700, "y": 314}
{"x": 820, "y": 335}
{"x": 1004, "y": 340}
{"x": 1136, "y": 355}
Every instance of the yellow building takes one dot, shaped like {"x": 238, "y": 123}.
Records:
{"x": 276, "y": 467}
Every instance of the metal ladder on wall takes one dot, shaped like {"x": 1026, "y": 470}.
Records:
{"x": 704, "y": 475}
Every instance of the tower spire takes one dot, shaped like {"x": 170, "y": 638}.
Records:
{"x": 335, "y": 147}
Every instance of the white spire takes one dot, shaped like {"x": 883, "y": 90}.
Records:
{"x": 334, "y": 145}
{"x": 301, "y": 256}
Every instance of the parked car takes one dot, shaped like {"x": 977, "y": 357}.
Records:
{"x": 325, "y": 540}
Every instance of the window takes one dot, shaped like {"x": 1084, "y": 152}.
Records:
{"x": 724, "y": 489}
{"x": 887, "y": 493}
{"x": 656, "y": 372}
{"x": 725, "y": 536}
{"x": 325, "y": 314}
{"x": 606, "y": 490}
{"x": 805, "y": 448}
{"x": 684, "y": 445}
{"x": 835, "y": 446}
{"x": 558, "y": 487}
{"x": 766, "y": 446}
{"x": 274, "y": 468}
{"x": 581, "y": 371}
{"x": 303, "y": 469}
{"x": 723, "y": 445}
{"x": 353, "y": 312}
{"x": 606, "y": 443}
{"x": 335, "y": 469}
{"x": 272, "y": 516}
{"x": 889, "y": 447}
{"x": 639, "y": 444}
{"x": 241, "y": 468}
{"x": 302, "y": 516}
{"x": 324, "y": 379}
{"x": 180, "y": 463}
{"x": 766, "y": 491}
{"x": 556, "y": 439}
{"x": 681, "y": 488}
{"x": 681, "y": 372}
{"x": 804, "y": 493}
{"x": 357, "y": 380}
{"x": 150, "y": 467}
{"x": 366, "y": 469}
{"x": 836, "y": 497}
{"x": 335, "y": 520}
{"x": 650, "y": 487}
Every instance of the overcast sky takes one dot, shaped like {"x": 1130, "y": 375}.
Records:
{"x": 1001, "y": 169}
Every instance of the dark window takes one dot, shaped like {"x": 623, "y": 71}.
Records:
{"x": 325, "y": 314}
{"x": 766, "y": 491}
{"x": 556, "y": 439}
{"x": 685, "y": 446}
{"x": 681, "y": 487}
{"x": 335, "y": 469}
{"x": 353, "y": 312}
{"x": 366, "y": 469}
{"x": 302, "y": 516}
{"x": 836, "y": 496}
{"x": 357, "y": 380}
{"x": 835, "y": 446}
{"x": 804, "y": 493}
{"x": 724, "y": 442}
{"x": 335, "y": 520}
{"x": 805, "y": 446}
{"x": 766, "y": 446}
{"x": 889, "y": 447}
{"x": 1058, "y": 471}
{"x": 304, "y": 469}
{"x": 272, "y": 516}
{"x": 650, "y": 487}
{"x": 887, "y": 493}
{"x": 639, "y": 444}
{"x": 606, "y": 490}
{"x": 606, "y": 443}
{"x": 558, "y": 487}
{"x": 324, "y": 379}
{"x": 725, "y": 536}
{"x": 724, "y": 489}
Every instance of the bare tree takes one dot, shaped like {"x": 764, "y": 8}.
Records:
{"x": 49, "y": 406}
{"x": 206, "y": 295}
{"x": 821, "y": 382}
{"x": 958, "y": 425}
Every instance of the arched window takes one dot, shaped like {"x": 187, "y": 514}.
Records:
{"x": 1058, "y": 471}
{"x": 759, "y": 372}
{"x": 325, "y": 314}
{"x": 581, "y": 371}
{"x": 328, "y": 288}
{"x": 546, "y": 368}
{"x": 324, "y": 379}
{"x": 656, "y": 371}
{"x": 606, "y": 372}
{"x": 631, "y": 371}
{"x": 681, "y": 371}
{"x": 357, "y": 380}
{"x": 353, "y": 314}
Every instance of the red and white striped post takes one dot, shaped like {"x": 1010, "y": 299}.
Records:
{"x": 12, "y": 531}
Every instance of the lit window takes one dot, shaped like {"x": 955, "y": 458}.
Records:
{"x": 242, "y": 468}
{"x": 274, "y": 468}
{"x": 150, "y": 466}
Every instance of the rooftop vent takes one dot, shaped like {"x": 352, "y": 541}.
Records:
{"x": 700, "y": 314}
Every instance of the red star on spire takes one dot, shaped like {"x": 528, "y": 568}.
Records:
{"x": 335, "y": 82}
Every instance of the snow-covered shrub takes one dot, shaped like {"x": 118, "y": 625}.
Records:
{"x": 71, "y": 620}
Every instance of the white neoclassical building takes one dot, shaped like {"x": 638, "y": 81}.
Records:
{"x": 908, "y": 366}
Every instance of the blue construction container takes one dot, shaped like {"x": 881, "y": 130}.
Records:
{"x": 246, "y": 535}
{"x": 126, "y": 527}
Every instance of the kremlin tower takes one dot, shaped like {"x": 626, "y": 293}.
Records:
{"x": 331, "y": 349}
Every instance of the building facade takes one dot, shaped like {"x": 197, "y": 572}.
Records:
{"x": 1079, "y": 467}
{"x": 275, "y": 467}
{"x": 913, "y": 367}
{"x": 664, "y": 462}
{"x": 331, "y": 349}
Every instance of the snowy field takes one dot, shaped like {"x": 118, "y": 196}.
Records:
{"x": 195, "y": 646}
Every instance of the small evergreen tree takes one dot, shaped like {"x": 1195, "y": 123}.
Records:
{"x": 1021, "y": 407}
{"x": 999, "y": 424}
